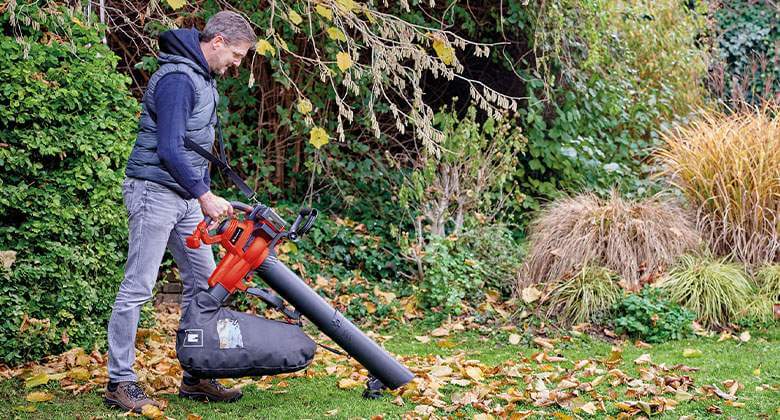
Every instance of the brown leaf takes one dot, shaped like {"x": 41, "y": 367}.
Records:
{"x": 422, "y": 338}
{"x": 348, "y": 383}
{"x": 643, "y": 359}
{"x": 714, "y": 409}
{"x": 474, "y": 373}
{"x": 440, "y": 332}
{"x": 193, "y": 416}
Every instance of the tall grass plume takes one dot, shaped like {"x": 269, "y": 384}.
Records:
{"x": 635, "y": 239}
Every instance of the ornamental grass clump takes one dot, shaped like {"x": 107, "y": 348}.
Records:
{"x": 635, "y": 239}
{"x": 588, "y": 296}
{"x": 716, "y": 291}
{"x": 728, "y": 166}
{"x": 768, "y": 282}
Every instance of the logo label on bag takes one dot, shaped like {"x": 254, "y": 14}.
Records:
{"x": 193, "y": 338}
{"x": 229, "y": 334}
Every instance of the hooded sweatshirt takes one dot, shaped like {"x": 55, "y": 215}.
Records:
{"x": 175, "y": 99}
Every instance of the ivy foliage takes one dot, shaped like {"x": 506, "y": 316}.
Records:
{"x": 749, "y": 47}
{"x": 67, "y": 124}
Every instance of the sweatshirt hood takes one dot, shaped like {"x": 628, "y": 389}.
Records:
{"x": 183, "y": 43}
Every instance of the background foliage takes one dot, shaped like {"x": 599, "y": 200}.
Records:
{"x": 66, "y": 127}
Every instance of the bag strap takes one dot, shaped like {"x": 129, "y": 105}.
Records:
{"x": 221, "y": 161}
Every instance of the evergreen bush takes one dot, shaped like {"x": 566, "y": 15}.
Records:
{"x": 67, "y": 124}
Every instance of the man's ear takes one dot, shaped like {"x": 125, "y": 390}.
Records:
{"x": 218, "y": 42}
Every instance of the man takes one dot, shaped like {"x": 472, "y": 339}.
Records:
{"x": 166, "y": 191}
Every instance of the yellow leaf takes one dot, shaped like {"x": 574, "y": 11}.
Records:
{"x": 343, "y": 60}
{"x": 444, "y": 51}
{"x": 348, "y": 383}
{"x": 79, "y": 374}
{"x": 282, "y": 43}
{"x": 346, "y": 5}
{"x": 757, "y": 372}
{"x": 324, "y": 12}
{"x": 288, "y": 247}
{"x": 151, "y": 412}
{"x": 176, "y": 4}
{"x": 304, "y": 106}
{"x": 336, "y": 34}
{"x": 689, "y": 353}
{"x": 369, "y": 15}
{"x": 294, "y": 17}
{"x": 264, "y": 46}
{"x": 39, "y": 397}
{"x": 39, "y": 379}
{"x": 318, "y": 137}
{"x": 26, "y": 408}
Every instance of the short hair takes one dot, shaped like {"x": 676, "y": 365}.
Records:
{"x": 232, "y": 26}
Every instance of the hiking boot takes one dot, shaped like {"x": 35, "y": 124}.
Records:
{"x": 209, "y": 390}
{"x": 128, "y": 396}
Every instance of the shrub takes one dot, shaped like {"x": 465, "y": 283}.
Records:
{"x": 493, "y": 246}
{"x": 717, "y": 292}
{"x": 728, "y": 166}
{"x": 588, "y": 296}
{"x": 636, "y": 239}
{"x": 452, "y": 276}
{"x": 649, "y": 316}
{"x": 67, "y": 124}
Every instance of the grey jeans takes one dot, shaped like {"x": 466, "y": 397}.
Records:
{"x": 157, "y": 218}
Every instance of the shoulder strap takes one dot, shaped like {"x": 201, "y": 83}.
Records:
{"x": 221, "y": 161}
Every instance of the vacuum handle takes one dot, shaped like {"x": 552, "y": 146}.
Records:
{"x": 306, "y": 217}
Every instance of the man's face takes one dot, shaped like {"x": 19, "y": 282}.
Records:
{"x": 227, "y": 54}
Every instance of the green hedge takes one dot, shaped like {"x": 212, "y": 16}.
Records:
{"x": 67, "y": 124}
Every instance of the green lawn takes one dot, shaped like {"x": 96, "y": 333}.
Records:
{"x": 752, "y": 363}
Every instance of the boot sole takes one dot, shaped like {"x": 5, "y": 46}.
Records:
{"x": 116, "y": 404}
{"x": 200, "y": 396}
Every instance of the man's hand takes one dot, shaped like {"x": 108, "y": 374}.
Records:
{"x": 214, "y": 206}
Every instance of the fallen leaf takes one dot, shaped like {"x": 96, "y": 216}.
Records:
{"x": 643, "y": 359}
{"x": 39, "y": 379}
{"x": 744, "y": 337}
{"x": 79, "y": 374}
{"x": 474, "y": 372}
{"x": 530, "y": 294}
{"x": 331, "y": 413}
{"x": 514, "y": 339}
{"x": 193, "y": 416}
{"x": 151, "y": 412}
{"x": 440, "y": 332}
{"x": 422, "y": 338}
{"x": 26, "y": 408}
{"x": 441, "y": 370}
{"x": 348, "y": 383}
{"x": 39, "y": 397}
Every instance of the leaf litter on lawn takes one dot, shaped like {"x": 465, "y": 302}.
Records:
{"x": 538, "y": 384}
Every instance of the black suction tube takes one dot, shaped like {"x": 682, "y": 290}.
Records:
{"x": 331, "y": 322}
